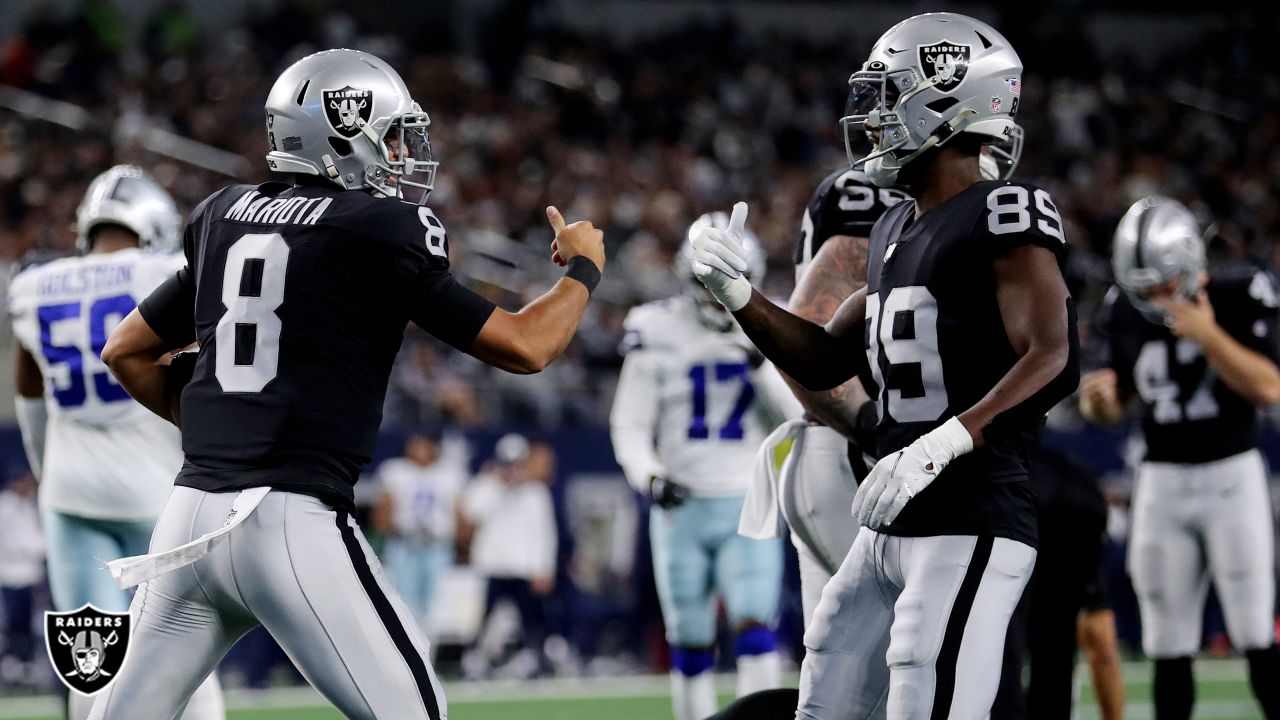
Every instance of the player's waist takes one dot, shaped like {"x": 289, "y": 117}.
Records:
{"x": 1199, "y": 443}
{"x": 1221, "y": 470}
{"x": 316, "y": 480}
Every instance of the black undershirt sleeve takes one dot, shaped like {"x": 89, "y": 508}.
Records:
{"x": 170, "y": 310}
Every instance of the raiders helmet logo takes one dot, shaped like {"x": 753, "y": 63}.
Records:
{"x": 87, "y": 646}
{"x": 945, "y": 62}
{"x": 345, "y": 108}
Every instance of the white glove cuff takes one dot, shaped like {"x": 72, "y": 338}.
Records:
{"x": 948, "y": 441}
{"x": 735, "y": 295}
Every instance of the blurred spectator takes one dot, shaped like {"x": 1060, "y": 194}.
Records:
{"x": 510, "y": 520}
{"x": 415, "y": 510}
{"x": 21, "y": 571}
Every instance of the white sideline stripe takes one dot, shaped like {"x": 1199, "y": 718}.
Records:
{"x": 1136, "y": 674}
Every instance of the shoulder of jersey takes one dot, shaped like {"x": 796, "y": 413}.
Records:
{"x": 655, "y": 324}
{"x": 1246, "y": 286}
{"x": 25, "y": 281}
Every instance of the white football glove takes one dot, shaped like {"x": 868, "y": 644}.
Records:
{"x": 719, "y": 261}
{"x": 900, "y": 476}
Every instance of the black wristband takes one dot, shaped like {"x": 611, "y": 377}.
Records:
{"x": 585, "y": 272}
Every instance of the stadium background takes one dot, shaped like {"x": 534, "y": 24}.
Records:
{"x": 637, "y": 114}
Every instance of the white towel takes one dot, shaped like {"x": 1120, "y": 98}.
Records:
{"x": 759, "y": 518}
{"x": 130, "y": 571}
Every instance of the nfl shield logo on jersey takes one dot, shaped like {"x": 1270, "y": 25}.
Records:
{"x": 87, "y": 646}
{"x": 344, "y": 109}
{"x": 945, "y": 62}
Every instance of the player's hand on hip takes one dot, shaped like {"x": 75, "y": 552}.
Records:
{"x": 719, "y": 261}
{"x": 900, "y": 476}
{"x": 575, "y": 239}
{"x": 1099, "y": 386}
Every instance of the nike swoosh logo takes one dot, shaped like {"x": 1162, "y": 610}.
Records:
{"x": 891, "y": 51}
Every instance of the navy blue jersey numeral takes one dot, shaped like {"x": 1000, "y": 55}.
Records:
{"x": 73, "y": 392}
{"x": 725, "y": 372}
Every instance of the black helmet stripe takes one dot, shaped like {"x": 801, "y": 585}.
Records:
{"x": 1139, "y": 248}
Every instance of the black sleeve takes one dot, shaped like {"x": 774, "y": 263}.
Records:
{"x": 846, "y": 203}
{"x": 1253, "y": 319}
{"x": 170, "y": 309}
{"x": 1015, "y": 214}
{"x": 446, "y": 309}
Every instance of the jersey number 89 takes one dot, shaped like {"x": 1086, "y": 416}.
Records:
{"x": 916, "y": 345}
{"x": 248, "y": 335}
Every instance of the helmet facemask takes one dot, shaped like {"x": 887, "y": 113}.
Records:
{"x": 406, "y": 170}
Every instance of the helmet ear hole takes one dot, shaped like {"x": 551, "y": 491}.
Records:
{"x": 340, "y": 146}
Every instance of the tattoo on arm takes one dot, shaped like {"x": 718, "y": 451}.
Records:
{"x": 837, "y": 271}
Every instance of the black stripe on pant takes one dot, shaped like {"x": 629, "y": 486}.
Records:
{"x": 387, "y": 613}
{"x": 944, "y": 688}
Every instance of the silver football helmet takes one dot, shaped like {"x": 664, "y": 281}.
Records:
{"x": 127, "y": 196}
{"x": 1157, "y": 240}
{"x": 347, "y": 116}
{"x": 710, "y": 312}
{"x": 928, "y": 79}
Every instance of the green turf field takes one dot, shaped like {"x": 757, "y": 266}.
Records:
{"x": 1222, "y": 693}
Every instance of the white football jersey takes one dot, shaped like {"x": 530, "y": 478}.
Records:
{"x": 105, "y": 455}
{"x": 691, "y": 406}
{"x": 424, "y": 497}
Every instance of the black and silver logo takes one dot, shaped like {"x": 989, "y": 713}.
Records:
{"x": 945, "y": 62}
{"x": 345, "y": 108}
{"x": 87, "y": 646}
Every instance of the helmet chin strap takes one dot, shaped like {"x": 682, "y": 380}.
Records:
{"x": 878, "y": 170}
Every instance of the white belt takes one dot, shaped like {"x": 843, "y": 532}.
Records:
{"x": 130, "y": 571}
{"x": 759, "y": 518}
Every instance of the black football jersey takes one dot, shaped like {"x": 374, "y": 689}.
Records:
{"x": 1189, "y": 415}
{"x": 936, "y": 345}
{"x": 299, "y": 297}
{"x": 846, "y": 203}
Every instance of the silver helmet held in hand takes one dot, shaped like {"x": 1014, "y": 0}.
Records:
{"x": 928, "y": 79}
{"x": 1157, "y": 241}
{"x": 347, "y": 116}
{"x": 710, "y": 312}
{"x": 127, "y": 196}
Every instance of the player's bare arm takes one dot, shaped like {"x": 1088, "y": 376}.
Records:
{"x": 29, "y": 404}
{"x": 1248, "y": 373}
{"x": 1034, "y": 305}
{"x": 838, "y": 270}
{"x": 527, "y": 341}
{"x": 135, "y": 355}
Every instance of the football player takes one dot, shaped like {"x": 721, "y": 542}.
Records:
{"x": 298, "y": 293}
{"x": 1199, "y": 352}
{"x": 693, "y": 403}
{"x": 105, "y": 464}
{"x": 965, "y": 337}
{"x": 831, "y": 263}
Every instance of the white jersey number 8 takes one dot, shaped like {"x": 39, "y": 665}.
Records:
{"x": 248, "y": 335}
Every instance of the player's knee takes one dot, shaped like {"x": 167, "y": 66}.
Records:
{"x": 755, "y": 639}
{"x": 691, "y": 661}
{"x": 688, "y": 631}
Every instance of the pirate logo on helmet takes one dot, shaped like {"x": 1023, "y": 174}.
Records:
{"x": 87, "y": 646}
{"x": 945, "y": 63}
{"x": 347, "y": 109}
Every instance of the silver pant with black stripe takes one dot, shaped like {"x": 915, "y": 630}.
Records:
{"x": 912, "y": 628}
{"x": 304, "y": 572}
{"x": 816, "y": 493}
{"x": 1193, "y": 523}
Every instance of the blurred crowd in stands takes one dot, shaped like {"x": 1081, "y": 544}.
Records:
{"x": 639, "y": 138}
